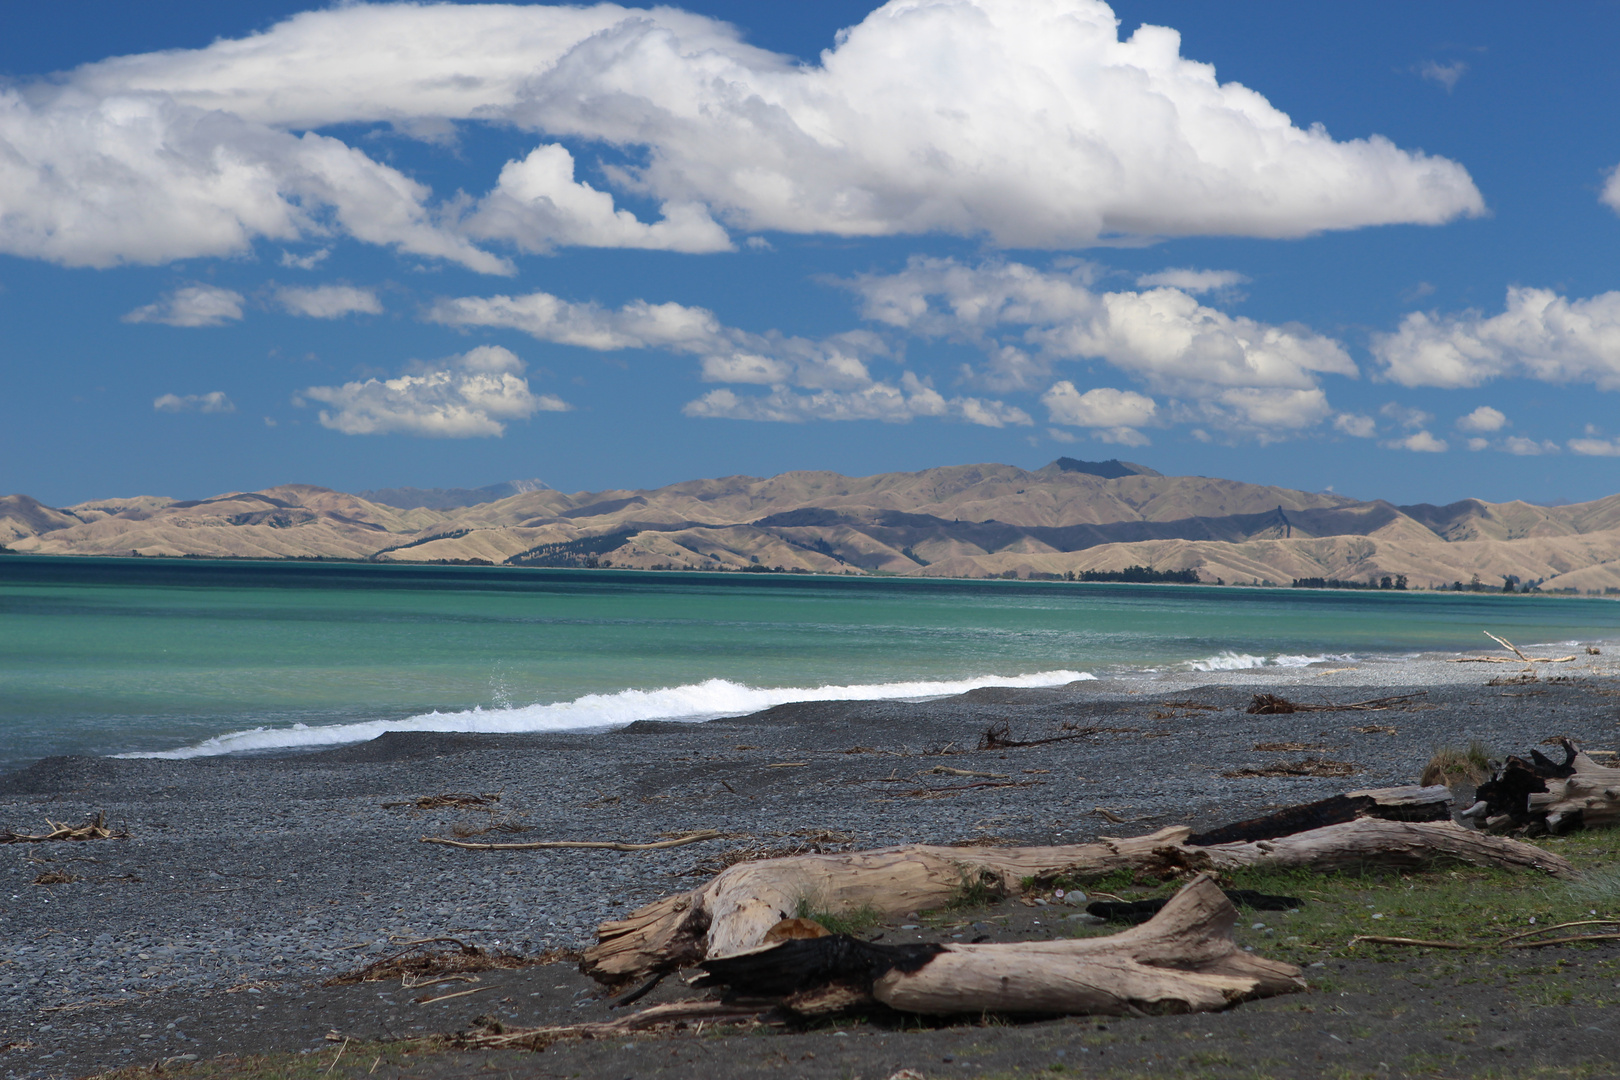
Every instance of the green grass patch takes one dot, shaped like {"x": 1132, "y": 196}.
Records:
{"x": 848, "y": 921}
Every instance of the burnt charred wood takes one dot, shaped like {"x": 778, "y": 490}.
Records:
{"x": 1140, "y": 911}
{"x": 1508, "y": 795}
{"x": 794, "y": 966}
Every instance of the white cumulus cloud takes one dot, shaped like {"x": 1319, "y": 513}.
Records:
{"x": 328, "y": 301}
{"x": 1356, "y": 424}
{"x": 1099, "y": 407}
{"x": 1482, "y": 419}
{"x": 888, "y": 402}
{"x": 1445, "y": 75}
{"x": 1538, "y": 335}
{"x": 1420, "y": 441}
{"x": 193, "y": 305}
{"x": 1025, "y": 121}
{"x": 467, "y": 396}
{"x": 537, "y": 205}
{"x": 213, "y": 402}
{"x": 1163, "y": 336}
{"x": 1517, "y": 444}
{"x": 1595, "y": 447}
{"x": 1192, "y": 281}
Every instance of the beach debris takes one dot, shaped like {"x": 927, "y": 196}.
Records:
{"x": 1268, "y": 704}
{"x": 1375, "y": 729}
{"x": 998, "y": 736}
{"x": 1286, "y": 747}
{"x": 1545, "y": 796}
{"x": 1517, "y": 657}
{"x": 1183, "y": 959}
{"x": 95, "y": 828}
{"x": 1512, "y": 941}
{"x": 1310, "y": 766}
{"x": 461, "y": 800}
{"x": 56, "y": 877}
{"x": 732, "y": 911}
{"x": 957, "y": 789}
{"x": 678, "y": 1014}
{"x": 420, "y": 964}
{"x": 946, "y": 770}
{"x": 680, "y": 840}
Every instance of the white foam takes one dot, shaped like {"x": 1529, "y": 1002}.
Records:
{"x": 594, "y": 712}
{"x": 1234, "y": 661}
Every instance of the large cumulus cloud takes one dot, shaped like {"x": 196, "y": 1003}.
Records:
{"x": 1025, "y": 121}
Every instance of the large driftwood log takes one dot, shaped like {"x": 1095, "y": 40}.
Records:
{"x": 1183, "y": 960}
{"x": 1540, "y": 794}
{"x": 733, "y": 911}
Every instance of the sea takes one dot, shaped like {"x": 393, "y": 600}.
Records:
{"x": 190, "y": 657}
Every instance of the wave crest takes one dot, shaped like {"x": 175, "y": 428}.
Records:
{"x": 693, "y": 703}
{"x": 1236, "y": 661}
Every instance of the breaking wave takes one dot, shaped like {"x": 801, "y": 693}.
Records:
{"x": 1235, "y": 661}
{"x": 695, "y": 702}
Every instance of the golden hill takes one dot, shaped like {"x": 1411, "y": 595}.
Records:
{"x": 960, "y": 521}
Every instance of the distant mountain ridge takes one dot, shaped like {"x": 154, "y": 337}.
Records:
{"x": 960, "y": 521}
{"x": 410, "y": 498}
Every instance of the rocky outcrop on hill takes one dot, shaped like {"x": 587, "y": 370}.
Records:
{"x": 1066, "y": 519}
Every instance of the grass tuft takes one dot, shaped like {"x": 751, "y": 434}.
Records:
{"x": 848, "y": 921}
{"x": 1451, "y": 765}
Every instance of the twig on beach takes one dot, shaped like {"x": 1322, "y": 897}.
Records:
{"x": 998, "y": 736}
{"x": 447, "y": 997}
{"x": 946, "y": 770}
{"x": 1514, "y": 649}
{"x": 93, "y": 829}
{"x": 946, "y": 792}
{"x": 1270, "y": 704}
{"x": 460, "y": 799}
{"x": 1377, "y": 939}
{"x": 606, "y": 845}
{"x": 1512, "y": 941}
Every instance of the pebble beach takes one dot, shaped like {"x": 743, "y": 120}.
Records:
{"x": 259, "y": 877}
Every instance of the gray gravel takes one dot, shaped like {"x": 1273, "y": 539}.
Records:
{"x": 276, "y": 873}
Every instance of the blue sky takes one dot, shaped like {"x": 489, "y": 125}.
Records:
{"x": 1363, "y": 247}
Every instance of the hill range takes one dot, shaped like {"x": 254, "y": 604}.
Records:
{"x": 961, "y": 521}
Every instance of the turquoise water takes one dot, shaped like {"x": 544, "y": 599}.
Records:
{"x": 106, "y": 656}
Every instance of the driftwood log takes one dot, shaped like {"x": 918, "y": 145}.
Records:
{"x": 734, "y": 910}
{"x": 1542, "y": 795}
{"x": 1183, "y": 960}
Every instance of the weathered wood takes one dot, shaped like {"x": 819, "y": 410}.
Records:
{"x": 1411, "y": 803}
{"x": 1183, "y": 960}
{"x": 1589, "y": 797}
{"x": 1370, "y": 842}
{"x": 735, "y": 909}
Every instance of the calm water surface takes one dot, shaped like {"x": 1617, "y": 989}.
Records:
{"x": 107, "y": 656}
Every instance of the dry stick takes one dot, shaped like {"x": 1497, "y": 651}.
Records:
{"x": 1378, "y": 940}
{"x": 458, "y": 993}
{"x": 1559, "y": 926}
{"x": 1506, "y": 644}
{"x": 608, "y": 845}
{"x": 339, "y": 1057}
{"x": 1563, "y": 940}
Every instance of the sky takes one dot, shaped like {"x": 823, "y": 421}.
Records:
{"x": 1363, "y": 248}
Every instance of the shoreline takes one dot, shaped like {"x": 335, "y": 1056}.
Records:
{"x": 283, "y": 870}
